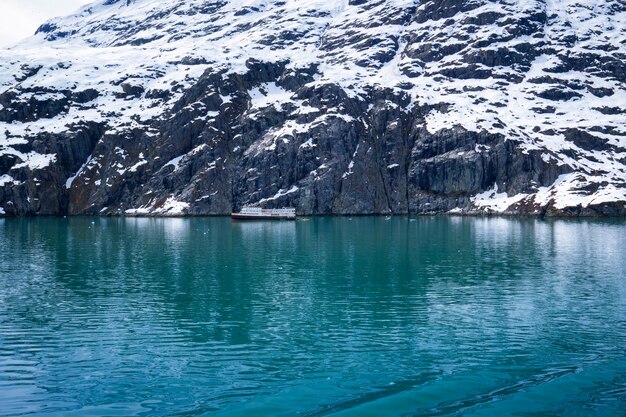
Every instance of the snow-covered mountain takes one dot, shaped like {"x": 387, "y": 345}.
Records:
{"x": 347, "y": 106}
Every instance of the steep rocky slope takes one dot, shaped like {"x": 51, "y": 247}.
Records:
{"x": 385, "y": 106}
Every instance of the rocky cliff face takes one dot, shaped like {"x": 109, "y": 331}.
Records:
{"x": 198, "y": 107}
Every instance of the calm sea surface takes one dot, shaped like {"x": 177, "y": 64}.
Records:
{"x": 325, "y": 317}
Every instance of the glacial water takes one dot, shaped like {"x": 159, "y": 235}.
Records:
{"x": 323, "y": 317}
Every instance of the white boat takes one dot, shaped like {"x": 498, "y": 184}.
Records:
{"x": 258, "y": 213}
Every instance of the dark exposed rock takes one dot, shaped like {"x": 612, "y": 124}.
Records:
{"x": 558, "y": 94}
{"x": 30, "y": 105}
{"x": 586, "y": 141}
{"x": 85, "y": 96}
{"x": 601, "y": 92}
{"x": 451, "y": 166}
{"x": 286, "y": 130}
{"x": 544, "y": 110}
{"x": 132, "y": 90}
{"x": 27, "y": 71}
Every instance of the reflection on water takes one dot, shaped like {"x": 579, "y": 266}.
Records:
{"x": 332, "y": 316}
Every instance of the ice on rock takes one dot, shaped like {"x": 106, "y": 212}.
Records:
{"x": 284, "y": 87}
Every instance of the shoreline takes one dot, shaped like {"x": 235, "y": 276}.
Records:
{"x": 344, "y": 215}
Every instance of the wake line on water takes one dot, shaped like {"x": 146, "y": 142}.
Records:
{"x": 445, "y": 409}
{"x": 441, "y": 409}
{"x": 381, "y": 392}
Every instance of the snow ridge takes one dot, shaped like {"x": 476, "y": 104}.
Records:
{"x": 546, "y": 75}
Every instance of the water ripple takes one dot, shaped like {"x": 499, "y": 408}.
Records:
{"x": 413, "y": 317}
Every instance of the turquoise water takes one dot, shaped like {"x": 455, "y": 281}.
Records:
{"x": 326, "y": 317}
